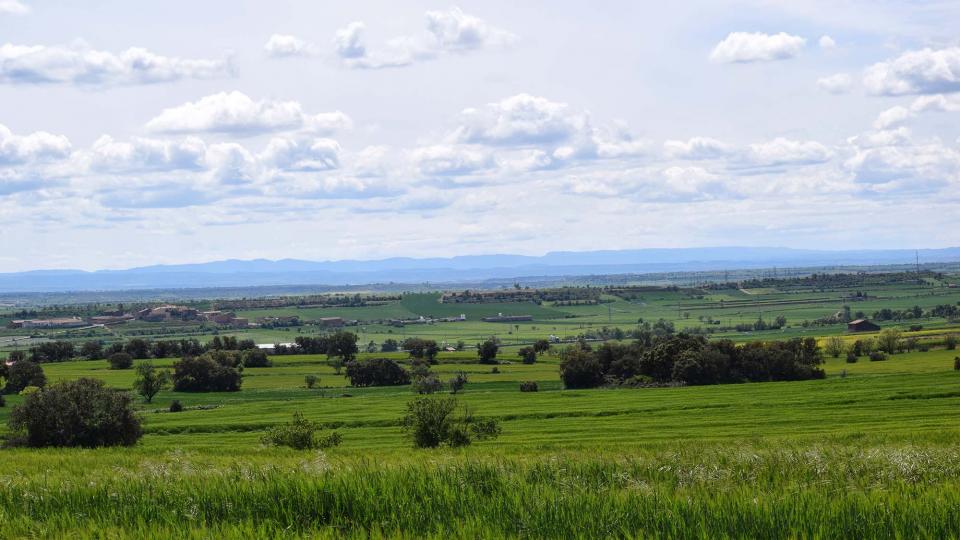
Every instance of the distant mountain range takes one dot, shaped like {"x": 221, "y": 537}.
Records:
{"x": 260, "y": 272}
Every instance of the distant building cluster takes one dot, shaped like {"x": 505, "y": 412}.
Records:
{"x": 501, "y": 318}
{"x": 59, "y": 322}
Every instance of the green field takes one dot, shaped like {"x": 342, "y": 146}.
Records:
{"x": 871, "y": 451}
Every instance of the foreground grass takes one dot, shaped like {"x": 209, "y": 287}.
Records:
{"x": 816, "y": 489}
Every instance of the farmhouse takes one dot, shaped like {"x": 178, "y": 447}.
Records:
{"x": 508, "y": 318}
{"x": 862, "y": 325}
{"x": 167, "y": 313}
{"x": 61, "y": 322}
{"x": 331, "y": 322}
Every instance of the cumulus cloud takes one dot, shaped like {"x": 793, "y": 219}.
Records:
{"x": 141, "y": 154}
{"x": 892, "y": 117}
{"x": 235, "y": 112}
{"x": 927, "y": 71}
{"x": 697, "y": 148}
{"x": 35, "y": 147}
{"x": 285, "y": 46}
{"x": 782, "y": 151}
{"x": 450, "y": 31}
{"x": 839, "y": 83}
{"x": 520, "y": 119}
{"x": 922, "y": 167}
{"x": 827, "y": 42}
{"x": 446, "y": 160}
{"x": 318, "y": 154}
{"x": 671, "y": 184}
{"x": 82, "y": 65}
{"x": 744, "y": 47}
{"x": 13, "y": 7}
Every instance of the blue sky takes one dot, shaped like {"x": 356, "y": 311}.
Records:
{"x": 136, "y": 133}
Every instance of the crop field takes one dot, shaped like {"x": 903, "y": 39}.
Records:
{"x": 871, "y": 451}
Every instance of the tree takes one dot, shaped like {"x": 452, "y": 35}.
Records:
{"x": 528, "y": 355}
{"x": 82, "y": 413}
{"x": 487, "y": 351}
{"x": 343, "y": 345}
{"x": 580, "y": 368}
{"x": 150, "y": 381}
{"x": 204, "y": 374}
{"x": 372, "y": 346}
{"x": 422, "y": 349}
{"x": 834, "y": 346}
{"x": 92, "y": 350}
{"x": 389, "y": 345}
{"x": 22, "y": 374}
{"x": 457, "y": 382}
{"x": 376, "y": 372}
{"x": 137, "y": 348}
{"x": 255, "y": 358}
{"x": 541, "y": 346}
{"x": 888, "y": 340}
{"x": 310, "y": 380}
{"x": 120, "y": 360}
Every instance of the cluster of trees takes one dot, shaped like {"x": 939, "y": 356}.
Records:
{"x": 692, "y": 360}
{"x": 340, "y": 344}
{"x": 21, "y": 374}
{"x": 140, "y": 348}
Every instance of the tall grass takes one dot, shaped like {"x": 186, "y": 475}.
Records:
{"x": 822, "y": 490}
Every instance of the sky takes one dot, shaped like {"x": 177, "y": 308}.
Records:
{"x": 139, "y": 133}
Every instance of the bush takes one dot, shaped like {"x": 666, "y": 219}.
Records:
{"x": 376, "y": 372}
{"x": 311, "y": 380}
{"x": 255, "y": 358}
{"x": 956, "y": 363}
{"x": 528, "y": 355}
{"x": 878, "y": 356}
{"x": 3, "y": 401}
{"x": 457, "y": 382}
{"x": 300, "y": 434}
{"x": 426, "y": 383}
{"x": 23, "y": 374}
{"x": 203, "y": 374}
{"x": 916, "y": 327}
{"x": 580, "y": 369}
{"x": 176, "y": 406}
{"x": 950, "y": 342}
{"x": 487, "y": 351}
{"x": 120, "y": 361}
{"x": 851, "y": 358}
{"x": 81, "y": 413}
{"x": 431, "y": 422}
{"x": 529, "y": 386}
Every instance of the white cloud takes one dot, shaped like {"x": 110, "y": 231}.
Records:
{"x": 927, "y": 71}
{"x": 13, "y": 7}
{"x": 348, "y": 41}
{"x": 519, "y": 120}
{"x": 451, "y": 31}
{"x": 827, "y": 42}
{"x": 782, "y": 151}
{"x": 285, "y": 46}
{"x": 235, "y": 112}
{"x": 35, "y": 147}
{"x": 140, "y": 154}
{"x": 892, "y": 117}
{"x": 873, "y": 139}
{"x": 697, "y": 148}
{"x": 81, "y": 65}
{"x": 839, "y": 83}
{"x": 744, "y": 47}
{"x": 317, "y": 154}
{"x": 923, "y": 167}
{"x": 445, "y": 160}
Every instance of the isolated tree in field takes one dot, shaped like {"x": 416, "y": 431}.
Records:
{"x": 432, "y": 421}
{"x": 343, "y": 345}
{"x": 527, "y": 355}
{"x": 150, "y": 381}
{"x": 255, "y": 358}
{"x": 81, "y": 413}
{"x": 541, "y": 346}
{"x": 389, "y": 345}
{"x": 580, "y": 368}
{"x": 204, "y": 374}
{"x": 421, "y": 349}
{"x": 487, "y": 351}
{"x": 834, "y": 346}
{"x": 888, "y": 340}
{"x": 457, "y": 382}
{"x": 120, "y": 360}
{"x": 376, "y": 372}
{"x": 372, "y": 346}
{"x": 22, "y": 374}
{"x": 300, "y": 434}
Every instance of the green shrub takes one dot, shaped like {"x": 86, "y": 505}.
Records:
{"x": 83, "y": 412}
{"x": 311, "y": 380}
{"x": 300, "y": 434}
{"x": 956, "y": 363}
{"x": 487, "y": 351}
{"x": 176, "y": 406}
{"x": 432, "y": 421}
{"x": 851, "y": 358}
{"x": 150, "y": 381}
{"x": 457, "y": 382}
{"x": 580, "y": 369}
{"x": 950, "y": 342}
{"x": 529, "y": 386}
{"x": 528, "y": 355}
{"x": 878, "y": 356}
{"x": 376, "y": 372}
{"x": 22, "y": 374}
{"x": 255, "y": 358}
{"x": 120, "y": 360}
